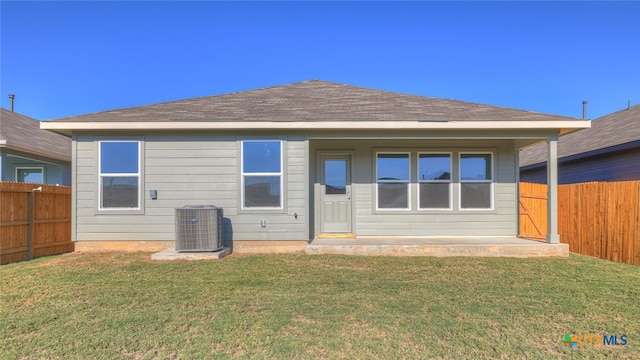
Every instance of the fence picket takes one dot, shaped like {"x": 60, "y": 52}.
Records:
{"x": 600, "y": 219}
{"x": 34, "y": 223}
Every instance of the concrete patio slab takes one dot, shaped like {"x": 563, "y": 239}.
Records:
{"x": 438, "y": 247}
{"x": 172, "y": 254}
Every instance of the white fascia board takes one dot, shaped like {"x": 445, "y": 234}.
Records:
{"x": 317, "y": 125}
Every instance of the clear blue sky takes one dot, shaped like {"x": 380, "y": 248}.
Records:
{"x": 70, "y": 58}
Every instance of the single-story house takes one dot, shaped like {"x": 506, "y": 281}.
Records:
{"x": 29, "y": 154}
{"x": 292, "y": 163}
{"x": 608, "y": 151}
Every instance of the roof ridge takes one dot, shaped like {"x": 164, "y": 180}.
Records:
{"x": 445, "y": 99}
{"x": 19, "y": 114}
{"x": 298, "y": 100}
{"x": 180, "y": 100}
{"x": 319, "y": 81}
{"x": 629, "y": 108}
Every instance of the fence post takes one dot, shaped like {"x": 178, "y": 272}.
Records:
{"x": 31, "y": 225}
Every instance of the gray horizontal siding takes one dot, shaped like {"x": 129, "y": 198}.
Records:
{"x": 190, "y": 170}
{"x": 614, "y": 166}
{"x": 54, "y": 172}
{"x": 204, "y": 170}
{"x": 134, "y": 236}
{"x": 500, "y": 221}
{"x": 85, "y": 174}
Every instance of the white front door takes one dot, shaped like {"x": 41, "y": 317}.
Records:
{"x": 335, "y": 193}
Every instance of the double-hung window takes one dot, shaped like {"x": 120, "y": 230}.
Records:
{"x": 476, "y": 181}
{"x": 119, "y": 175}
{"x": 262, "y": 174}
{"x": 392, "y": 174}
{"x": 434, "y": 181}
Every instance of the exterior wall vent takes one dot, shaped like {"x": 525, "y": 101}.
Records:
{"x": 199, "y": 228}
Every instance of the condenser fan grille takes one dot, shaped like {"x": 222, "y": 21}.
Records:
{"x": 199, "y": 228}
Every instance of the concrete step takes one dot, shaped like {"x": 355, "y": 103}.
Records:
{"x": 439, "y": 248}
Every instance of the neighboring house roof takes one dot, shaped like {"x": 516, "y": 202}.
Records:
{"x": 612, "y": 132}
{"x": 312, "y": 104}
{"x": 22, "y": 133}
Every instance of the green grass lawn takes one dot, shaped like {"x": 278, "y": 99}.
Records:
{"x": 287, "y": 306}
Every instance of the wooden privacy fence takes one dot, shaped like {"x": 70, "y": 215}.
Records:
{"x": 600, "y": 219}
{"x": 34, "y": 223}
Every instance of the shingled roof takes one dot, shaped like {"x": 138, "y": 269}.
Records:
{"x": 314, "y": 100}
{"x": 606, "y": 133}
{"x": 22, "y": 133}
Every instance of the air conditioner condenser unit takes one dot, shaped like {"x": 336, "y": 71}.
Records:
{"x": 199, "y": 228}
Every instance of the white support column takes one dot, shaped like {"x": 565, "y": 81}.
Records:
{"x": 552, "y": 190}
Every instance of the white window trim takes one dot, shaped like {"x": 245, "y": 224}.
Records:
{"x": 450, "y": 181}
{"x": 101, "y": 175}
{"x": 41, "y": 168}
{"x": 491, "y": 181}
{"x": 407, "y": 182}
{"x": 243, "y": 175}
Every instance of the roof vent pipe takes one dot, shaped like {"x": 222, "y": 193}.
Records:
{"x": 584, "y": 110}
{"x": 11, "y": 97}
{"x": 629, "y": 104}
